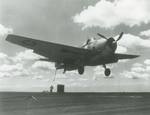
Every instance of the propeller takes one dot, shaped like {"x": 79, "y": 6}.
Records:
{"x": 111, "y": 41}
{"x": 102, "y": 36}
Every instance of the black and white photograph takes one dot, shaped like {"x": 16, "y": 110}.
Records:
{"x": 74, "y": 57}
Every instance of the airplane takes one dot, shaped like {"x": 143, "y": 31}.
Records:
{"x": 94, "y": 52}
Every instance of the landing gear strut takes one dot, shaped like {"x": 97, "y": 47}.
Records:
{"x": 80, "y": 70}
{"x": 64, "y": 70}
{"x": 107, "y": 71}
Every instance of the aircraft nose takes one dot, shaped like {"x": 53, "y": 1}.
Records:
{"x": 112, "y": 43}
{"x": 114, "y": 46}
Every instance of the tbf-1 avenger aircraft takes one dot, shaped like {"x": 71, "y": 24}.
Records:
{"x": 94, "y": 52}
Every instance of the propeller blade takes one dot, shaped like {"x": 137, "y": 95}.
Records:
{"x": 88, "y": 40}
{"x": 101, "y": 36}
{"x": 120, "y": 36}
{"x": 84, "y": 45}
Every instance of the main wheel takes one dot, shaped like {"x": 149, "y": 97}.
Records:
{"x": 107, "y": 72}
{"x": 81, "y": 70}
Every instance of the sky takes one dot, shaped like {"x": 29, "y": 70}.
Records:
{"x": 72, "y": 22}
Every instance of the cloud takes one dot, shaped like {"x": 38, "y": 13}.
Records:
{"x": 26, "y": 55}
{"x": 14, "y": 70}
{"x": 4, "y": 30}
{"x": 3, "y": 55}
{"x": 4, "y": 74}
{"x": 121, "y": 49}
{"x": 124, "y": 60}
{"x": 137, "y": 65}
{"x": 132, "y": 41}
{"x": 147, "y": 61}
{"x": 72, "y": 73}
{"x": 16, "y": 66}
{"x": 138, "y": 70}
{"x": 135, "y": 75}
{"x": 43, "y": 65}
{"x": 109, "y": 14}
{"x": 4, "y": 58}
{"x": 98, "y": 70}
{"x": 38, "y": 77}
{"x": 145, "y": 33}
{"x": 148, "y": 68}
{"x": 129, "y": 41}
{"x": 10, "y": 68}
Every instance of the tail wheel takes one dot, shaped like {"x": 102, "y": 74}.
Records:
{"x": 81, "y": 70}
{"x": 107, "y": 72}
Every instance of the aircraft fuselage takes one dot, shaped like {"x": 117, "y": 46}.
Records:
{"x": 104, "y": 55}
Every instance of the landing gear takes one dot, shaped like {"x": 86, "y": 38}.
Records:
{"x": 80, "y": 70}
{"x": 107, "y": 71}
{"x": 64, "y": 71}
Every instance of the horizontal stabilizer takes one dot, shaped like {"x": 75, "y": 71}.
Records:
{"x": 126, "y": 56}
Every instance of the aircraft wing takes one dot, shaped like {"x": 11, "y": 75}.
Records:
{"x": 55, "y": 52}
{"x": 126, "y": 56}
